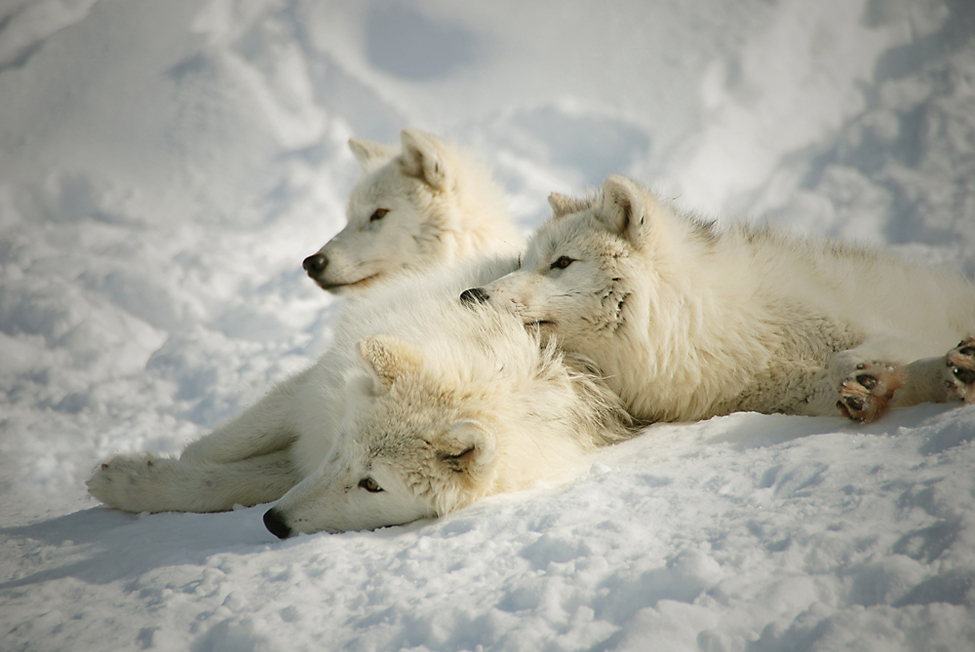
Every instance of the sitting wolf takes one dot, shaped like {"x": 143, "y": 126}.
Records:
{"x": 421, "y": 204}
{"x": 421, "y": 406}
{"x": 686, "y": 321}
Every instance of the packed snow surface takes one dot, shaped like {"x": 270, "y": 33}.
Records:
{"x": 166, "y": 166}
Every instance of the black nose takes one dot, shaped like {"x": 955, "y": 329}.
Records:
{"x": 315, "y": 264}
{"x": 473, "y": 295}
{"x": 276, "y": 525}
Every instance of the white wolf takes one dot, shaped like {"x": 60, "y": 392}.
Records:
{"x": 424, "y": 203}
{"x": 422, "y": 406}
{"x": 686, "y": 321}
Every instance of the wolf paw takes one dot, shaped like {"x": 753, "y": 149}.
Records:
{"x": 866, "y": 393}
{"x": 960, "y": 371}
{"x": 121, "y": 481}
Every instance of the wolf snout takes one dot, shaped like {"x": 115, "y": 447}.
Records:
{"x": 276, "y": 525}
{"x": 315, "y": 264}
{"x": 473, "y": 296}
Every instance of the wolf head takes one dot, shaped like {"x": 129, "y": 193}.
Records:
{"x": 415, "y": 445}
{"x": 416, "y": 205}
{"x": 618, "y": 278}
{"x": 578, "y": 278}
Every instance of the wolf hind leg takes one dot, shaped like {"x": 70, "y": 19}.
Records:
{"x": 939, "y": 379}
{"x": 879, "y": 374}
{"x": 870, "y": 389}
{"x": 863, "y": 383}
{"x": 145, "y": 483}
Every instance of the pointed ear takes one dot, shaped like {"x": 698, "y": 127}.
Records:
{"x": 563, "y": 205}
{"x": 388, "y": 358}
{"x": 370, "y": 153}
{"x": 625, "y": 208}
{"x": 423, "y": 158}
{"x": 466, "y": 449}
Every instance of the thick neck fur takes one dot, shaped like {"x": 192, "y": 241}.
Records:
{"x": 554, "y": 415}
{"x": 566, "y": 413}
{"x": 695, "y": 312}
{"x": 471, "y": 210}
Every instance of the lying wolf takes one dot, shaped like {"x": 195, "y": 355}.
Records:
{"x": 422, "y": 204}
{"x": 686, "y": 321}
{"x": 421, "y": 407}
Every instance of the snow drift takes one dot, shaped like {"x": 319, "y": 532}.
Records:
{"x": 164, "y": 168}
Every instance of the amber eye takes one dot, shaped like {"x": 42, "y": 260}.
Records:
{"x": 378, "y": 215}
{"x": 370, "y": 485}
{"x": 562, "y": 263}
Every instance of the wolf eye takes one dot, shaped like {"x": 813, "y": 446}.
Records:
{"x": 562, "y": 262}
{"x": 378, "y": 215}
{"x": 370, "y": 485}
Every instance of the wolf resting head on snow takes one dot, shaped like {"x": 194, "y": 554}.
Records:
{"x": 427, "y": 435}
{"x": 421, "y": 204}
{"x": 686, "y": 320}
{"x": 420, "y": 407}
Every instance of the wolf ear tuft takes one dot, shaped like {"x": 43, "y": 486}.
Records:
{"x": 388, "y": 358}
{"x": 466, "y": 449}
{"x": 370, "y": 153}
{"x": 624, "y": 209}
{"x": 423, "y": 158}
{"x": 563, "y": 205}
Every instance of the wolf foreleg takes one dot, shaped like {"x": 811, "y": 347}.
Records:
{"x": 145, "y": 483}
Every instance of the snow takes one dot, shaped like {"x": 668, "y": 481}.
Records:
{"x": 165, "y": 167}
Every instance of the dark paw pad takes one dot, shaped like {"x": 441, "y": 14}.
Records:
{"x": 854, "y": 403}
{"x": 960, "y": 362}
{"x": 967, "y": 376}
{"x": 868, "y": 382}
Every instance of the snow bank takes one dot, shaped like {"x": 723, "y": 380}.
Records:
{"x": 165, "y": 167}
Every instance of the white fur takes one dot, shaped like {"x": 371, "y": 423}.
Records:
{"x": 436, "y": 402}
{"x": 687, "y": 322}
{"x": 435, "y": 205}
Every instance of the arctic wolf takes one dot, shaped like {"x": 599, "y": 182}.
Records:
{"x": 422, "y": 406}
{"x": 423, "y": 203}
{"x": 687, "y": 321}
